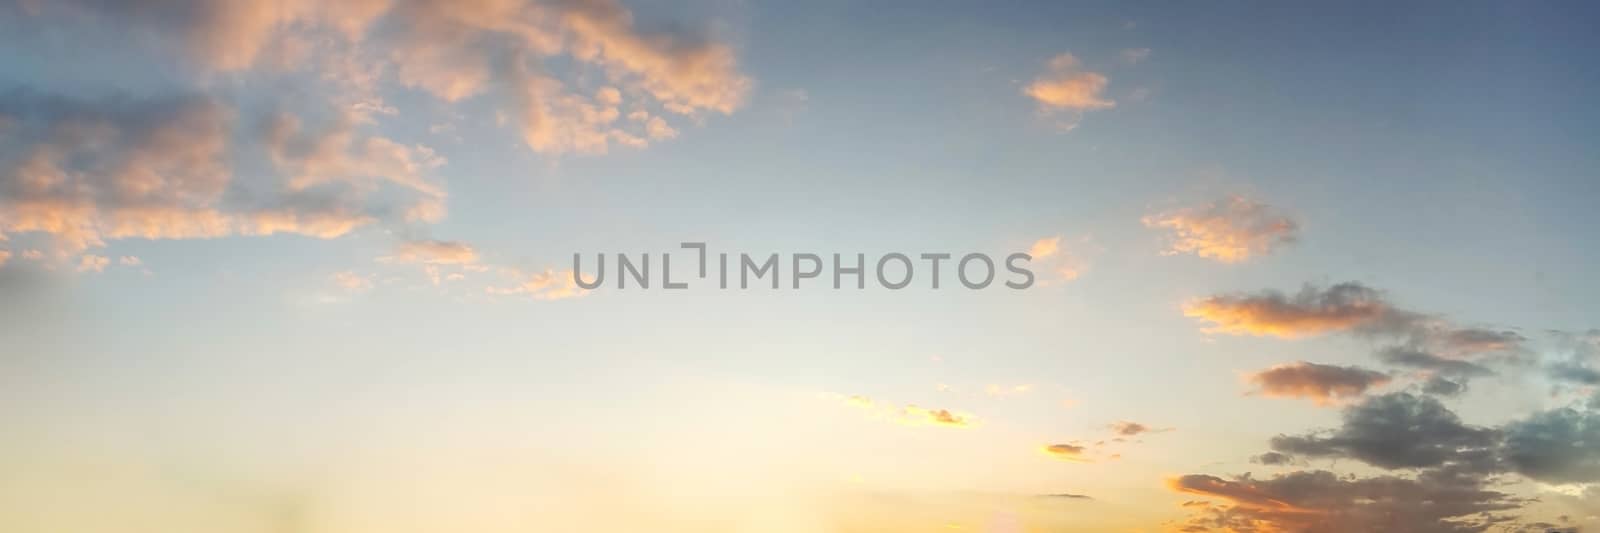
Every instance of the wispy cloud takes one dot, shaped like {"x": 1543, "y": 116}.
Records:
{"x": 910, "y": 415}
{"x": 547, "y": 284}
{"x": 351, "y": 281}
{"x": 1133, "y": 56}
{"x": 434, "y": 253}
{"x": 1058, "y": 262}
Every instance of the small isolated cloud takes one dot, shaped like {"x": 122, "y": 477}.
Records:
{"x": 431, "y": 252}
{"x": 5, "y": 255}
{"x": 1125, "y": 428}
{"x": 351, "y": 281}
{"x": 1322, "y": 384}
{"x": 938, "y": 417}
{"x": 1310, "y": 312}
{"x": 130, "y": 261}
{"x": 1067, "y": 90}
{"x": 1046, "y": 247}
{"x": 1230, "y": 230}
{"x": 1067, "y": 496}
{"x": 1067, "y": 452}
{"x": 1133, "y": 56}
{"x": 546, "y": 285}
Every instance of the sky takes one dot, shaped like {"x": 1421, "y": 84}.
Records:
{"x": 305, "y": 267}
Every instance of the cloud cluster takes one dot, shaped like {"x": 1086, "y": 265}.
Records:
{"x": 83, "y": 172}
{"x": 1122, "y": 432}
{"x": 572, "y": 76}
{"x": 1455, "y": 464}
{"x": 222, "y": 35}
{"x": 1323, "y": 502}
{"x": 1443, "y": 354}
{"x": 456, "y": 51}
{"x": 1231, "y": 230}
{"x": 568, "y": 76}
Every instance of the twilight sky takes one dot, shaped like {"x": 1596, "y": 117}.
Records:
{"x": 304, "y": 267}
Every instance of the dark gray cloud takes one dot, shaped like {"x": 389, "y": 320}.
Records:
{"x": 1273, "y": 459}
{"x": 1574, "y": 372}
{"x": 1575, "y": 357}
{"x": 1418, "y": 359}
{"x": 1555, "y": 446}
{"x": 1396, "y": 430}
{"x": 1446, "y": 471}
{"x": 1440, "y": 386}
{"x": 1066, "y": 496}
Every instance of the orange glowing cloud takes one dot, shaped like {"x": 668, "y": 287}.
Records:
{"x": 546, "y": 285}
{"x": 1322, "y": 384}
{"x": 159, "y": 169}
{"x": 1067, "y": 452}
{"x": 1240, "y": 493}
{"x": 1229, "y": 231}
{"x": 434, "y": 253}
{"x": 1273, "y": 314}
{"x": 1066, "y": 86}
{"x": 1056, "y": 262}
